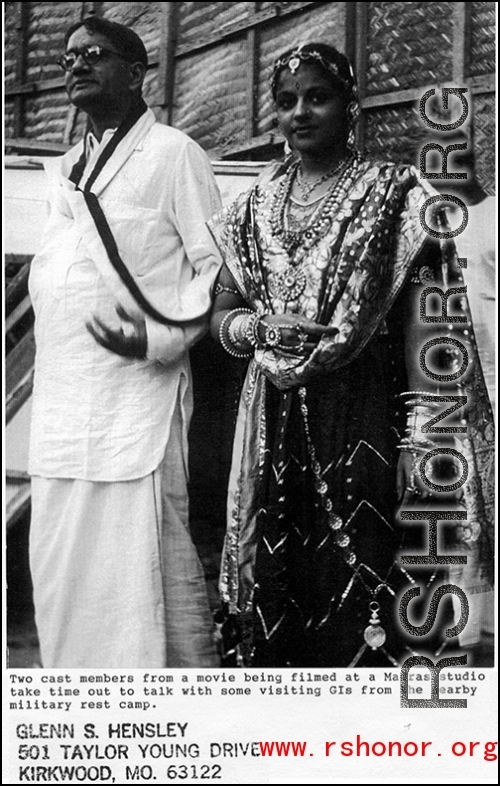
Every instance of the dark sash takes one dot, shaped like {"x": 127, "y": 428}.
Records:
{"x": 102, "y": 225}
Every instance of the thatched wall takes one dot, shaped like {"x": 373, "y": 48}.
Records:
{"x": 412, "y": 46}
{"x": 211, "y": 62}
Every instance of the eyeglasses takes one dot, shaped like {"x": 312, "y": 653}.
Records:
{"x": 91, "y": 55}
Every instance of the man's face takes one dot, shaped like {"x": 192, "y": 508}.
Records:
{"x": 102, "y": 87}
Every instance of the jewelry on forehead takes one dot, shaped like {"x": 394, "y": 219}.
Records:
{"x": 298, "y": 56}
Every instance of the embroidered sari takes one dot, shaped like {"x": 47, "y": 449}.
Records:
{"x": 310, "y": 573}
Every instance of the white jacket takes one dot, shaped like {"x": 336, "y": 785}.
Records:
{"x": 98, "y": 416}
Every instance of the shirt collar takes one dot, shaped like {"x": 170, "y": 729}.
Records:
{"x": 92, "y": 143}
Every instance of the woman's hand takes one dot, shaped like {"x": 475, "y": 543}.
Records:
{"x": 297, "y": 334}
{"x": 408, "y": 484}
{"x": 405, "y": 481}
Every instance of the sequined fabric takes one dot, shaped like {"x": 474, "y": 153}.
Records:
{"x": 313, "y": 539}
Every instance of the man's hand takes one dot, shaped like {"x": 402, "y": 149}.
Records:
{"x": 130, "y": 341}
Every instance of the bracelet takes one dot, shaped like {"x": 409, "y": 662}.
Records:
{"x": 417, "y": 418}
{"x": 219, "y": 289}
{"x": 419, "y": 413}
{"x": 424, "y": 406}
{"x": 224, "y": 337}
{"x": 418, "y": 393}
{"x": 414, "y": 446}
{"x": 252, "y": 332}
{"x": 237, "y": 329}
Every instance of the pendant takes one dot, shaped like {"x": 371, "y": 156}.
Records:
{"x": 289, "y": 284}
{"x": 291, "y": 240}
{"x": 374, "y": 634}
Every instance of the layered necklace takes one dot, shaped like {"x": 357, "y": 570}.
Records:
{"x": 306, "y": 188}
{"x": 290, "y": 283}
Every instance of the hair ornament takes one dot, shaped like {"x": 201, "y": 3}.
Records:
{"x": 298, "y": 56}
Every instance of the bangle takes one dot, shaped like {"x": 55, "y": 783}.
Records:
{"x": 252, "y": 331}
{"x": 414, "y": 445}
{"x": 237, "y": 330}
{"x": 229, "y": 344}
{"x": 418, "y": 393}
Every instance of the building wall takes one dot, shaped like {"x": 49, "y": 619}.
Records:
{"x": 210, "y": 65}
{"x": 412, "y": 47}
{"x": 221, "y": 93}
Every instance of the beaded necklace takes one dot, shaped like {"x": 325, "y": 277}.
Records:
{"x": 289, "y": 284}
{"x": 306, "y": 188}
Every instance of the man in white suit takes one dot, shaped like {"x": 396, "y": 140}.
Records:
{"x": 121, "y": 289}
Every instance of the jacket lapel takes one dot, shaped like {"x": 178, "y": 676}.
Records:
{"x": 116, "y": 153}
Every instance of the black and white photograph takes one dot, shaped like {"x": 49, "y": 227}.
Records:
{"x": 250, "y": 392}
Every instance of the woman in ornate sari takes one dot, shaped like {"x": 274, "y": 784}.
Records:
{"x": 323, "y": 270}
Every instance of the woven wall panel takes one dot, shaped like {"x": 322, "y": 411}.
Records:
{"x": 394, "y": 134}
{"x": 10, "y": 43}
{"x": 210, "y": 96}
{"x": 8, "y": 120}
{"x": 202, "y": 19}
{"x": 285, "y": 6}
{"x": 46, "y": 117}
{"x": 324, "y": 23}
{"x": 409, "y": 45}
{"x": 397, "y": 134}
{"x": 144, "y": 18}
{"x": 482, "y": 49}
{"x": 484, "y": 140}
{"x": 47, "y": 26}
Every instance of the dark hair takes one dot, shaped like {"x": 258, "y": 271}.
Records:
{"x": 126, "y": 42}
{"x": 334, "y": 64}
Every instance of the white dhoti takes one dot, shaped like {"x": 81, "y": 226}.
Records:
{"x": 117, "y": 580}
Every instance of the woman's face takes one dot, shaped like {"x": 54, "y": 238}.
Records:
{"x": 311, "y": 111}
